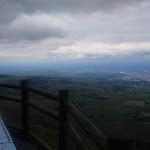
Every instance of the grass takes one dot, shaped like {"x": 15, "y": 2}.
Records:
{"x": 136, "y": 103}
{"x": 47, "y": 135}
{"x": 145, "y": 113}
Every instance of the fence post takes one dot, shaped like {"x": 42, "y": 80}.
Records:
{"x": 63, "y": 117}
{"x": 25, "y": 108}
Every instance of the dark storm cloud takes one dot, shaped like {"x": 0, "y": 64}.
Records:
{"x": 32, "y": 33}
{"x": 71, "y": 5}
{"x": 10, "y": 9}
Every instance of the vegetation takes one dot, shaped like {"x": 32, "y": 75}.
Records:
{"x": 110, "y": 103}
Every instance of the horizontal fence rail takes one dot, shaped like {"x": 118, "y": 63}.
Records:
{"x": 97, "y": 136}
{"x": 40, "y": 143}
{"x": 65, "y": 128}
{"x": 75, "y": 137}
{"x": 14, "y": 99}
{"x": 34, "y": 138}
{"x": 44, "y": 110}
{"x": 44, "y": 93}
{"x": 10, "y": 86}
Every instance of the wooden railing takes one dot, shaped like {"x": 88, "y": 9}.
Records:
{"x": 65, "y": 128}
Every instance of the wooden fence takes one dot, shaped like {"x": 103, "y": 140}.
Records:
{"x": 65, "y": 128}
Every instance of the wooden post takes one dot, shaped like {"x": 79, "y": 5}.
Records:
{"x": 121, "y": 141}
{"x": 63, "y": 118}
{"x": 25, "y": 108}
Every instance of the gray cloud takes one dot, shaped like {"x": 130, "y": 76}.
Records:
{"x": 72, "y": 5}
{"x": 75, "y": 29}
{"x": 31, "y": 28}
{"x": 31, "y": 34}
{"x": 10, "y": 9}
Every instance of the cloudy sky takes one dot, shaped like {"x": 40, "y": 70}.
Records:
{"x": 52, "y": 30}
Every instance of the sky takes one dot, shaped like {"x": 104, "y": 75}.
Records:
{"x": 74, "y": 30}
